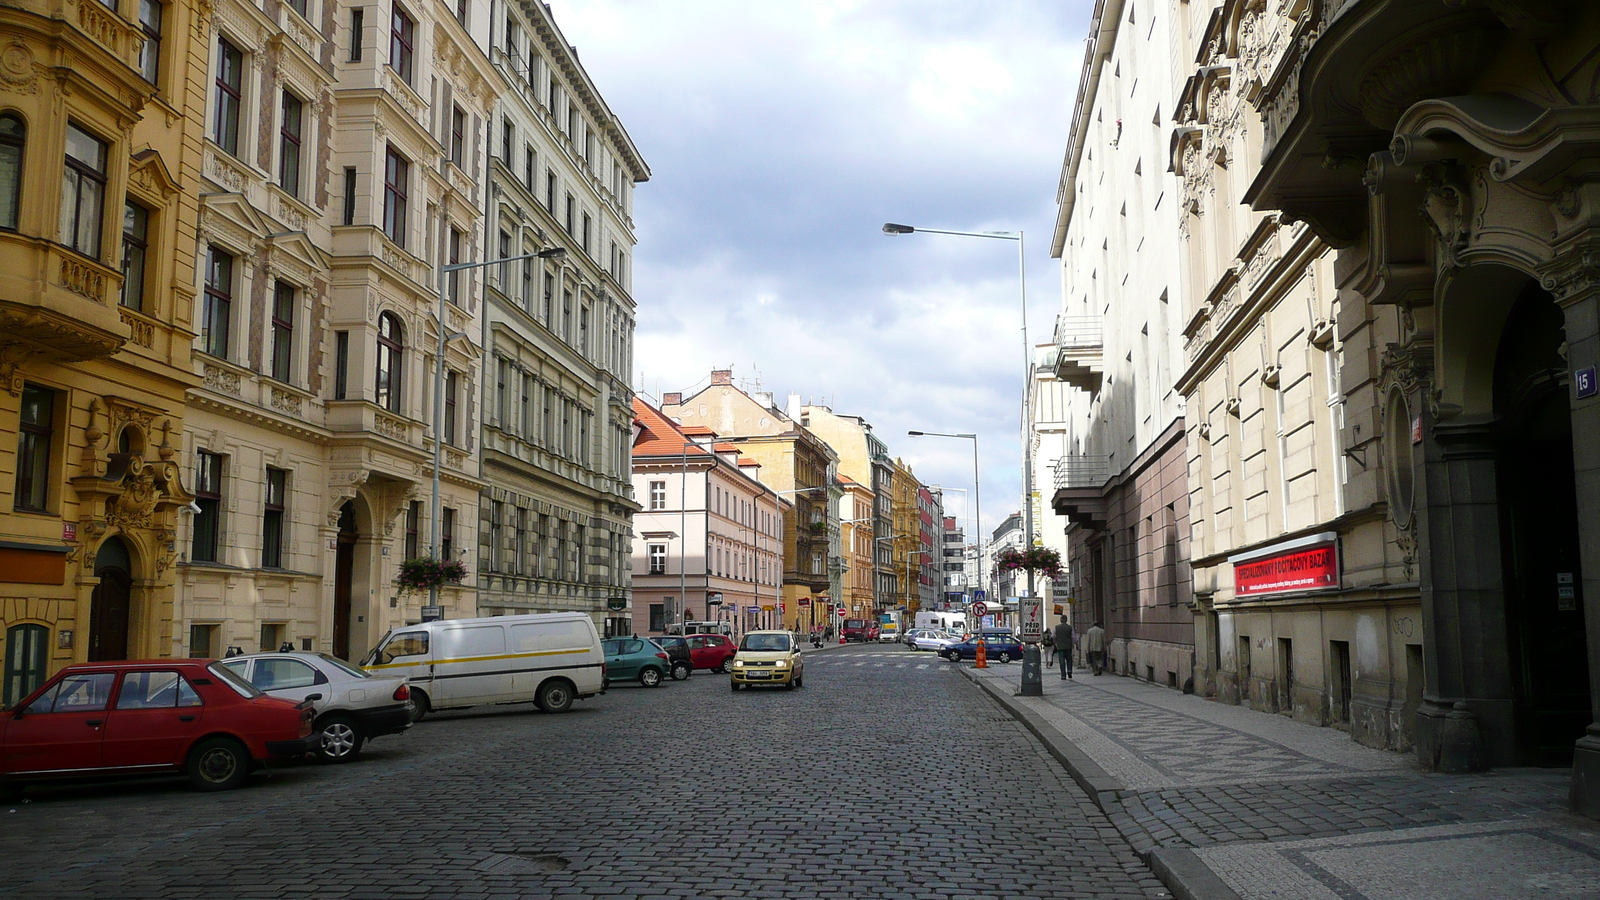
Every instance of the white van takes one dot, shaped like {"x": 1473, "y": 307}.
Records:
{"x": 550, "y": 659}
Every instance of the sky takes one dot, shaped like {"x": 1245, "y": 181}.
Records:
{"x": 781, "y": 136}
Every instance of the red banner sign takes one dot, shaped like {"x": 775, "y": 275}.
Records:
{"x": 1306, "y": 569}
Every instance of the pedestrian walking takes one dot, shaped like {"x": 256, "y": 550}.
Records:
{"x": 1095, "y": 646}
{"x": 1062, "y": 640}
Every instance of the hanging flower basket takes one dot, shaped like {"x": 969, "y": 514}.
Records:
{"x": 422, "y": 573}
{"x": 1039, "y": 560}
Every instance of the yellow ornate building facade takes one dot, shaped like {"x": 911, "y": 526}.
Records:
{"x": 99, "y": 122}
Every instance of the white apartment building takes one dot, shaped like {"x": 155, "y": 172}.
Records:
{"x": 1121, "y": 482}
{"x": 344, "y": 161}
{"x": 557, "y": 333}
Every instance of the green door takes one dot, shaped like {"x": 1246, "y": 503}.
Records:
{"x": 25, "y": 661}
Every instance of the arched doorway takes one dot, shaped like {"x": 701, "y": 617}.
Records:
{"x": 1539, "y": 531}
{"x": 344, "y": 561}
{"x": 109, "y": 605}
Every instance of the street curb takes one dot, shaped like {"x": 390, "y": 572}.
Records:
{"x": 1180, "y": 869}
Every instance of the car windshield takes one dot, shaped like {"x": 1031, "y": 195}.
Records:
{"x": 765, "y": 642}
{"x": 232, "y": 679}
{"x": 335, "y": 662}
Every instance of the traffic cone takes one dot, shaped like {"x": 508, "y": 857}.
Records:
{"x": 983, "y": 656}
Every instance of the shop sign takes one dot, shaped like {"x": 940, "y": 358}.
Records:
{"x": 803, "y": 602}
{"x": 1306, "y": 564}
{"x": 617, "y": 604}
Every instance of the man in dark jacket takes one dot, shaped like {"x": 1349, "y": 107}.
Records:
{"x": 1063, "y": 642}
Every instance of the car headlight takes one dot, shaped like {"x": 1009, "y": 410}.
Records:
{"x": 781, "y": 663}
{"x": 738, "y": 664}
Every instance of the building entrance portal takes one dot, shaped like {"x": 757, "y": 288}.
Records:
{"x": 343, "y": 575}
{"x": 1539, "y": 532}
{"x": 108, "y": 606}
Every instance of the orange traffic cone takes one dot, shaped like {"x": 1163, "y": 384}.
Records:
{"x": 983, "y": 656}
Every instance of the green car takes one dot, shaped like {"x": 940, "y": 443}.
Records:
{"x": 634, "y": 658}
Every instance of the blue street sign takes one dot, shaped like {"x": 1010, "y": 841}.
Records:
{"x": 980, "y": 595}
{"x": 1585, "y": 382}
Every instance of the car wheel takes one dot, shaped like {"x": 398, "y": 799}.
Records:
{"x": 10, "y": 791}
{"x": 1005, "y": 656}
{"x": 735, "y": 685}
{"x": 727, "y": 666}
{"x": 650, "y": 677}
{"x": 218, "y": 764}
{"x": 605, "y": 684}
{"x": 338, "y": 739}
{"x": 555, "y": 696}
{"x": 681, "y": 671}
{"x": 420, "y": 705}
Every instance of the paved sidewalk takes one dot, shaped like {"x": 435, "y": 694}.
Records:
{"x": 1226, "y": 803}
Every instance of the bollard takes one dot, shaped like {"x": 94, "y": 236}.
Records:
{"x": 1032, "y": 675}
{"x": 983, "y": 656}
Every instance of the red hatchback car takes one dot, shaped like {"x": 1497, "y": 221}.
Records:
{"x": 711, "y": 651}
{"x": 149, "y": 716}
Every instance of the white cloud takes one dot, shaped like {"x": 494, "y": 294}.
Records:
{"x": 781, "y": 136}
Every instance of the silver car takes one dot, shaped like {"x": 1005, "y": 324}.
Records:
{"x": 930, "y": 639}
{"x": 353, "y": 706}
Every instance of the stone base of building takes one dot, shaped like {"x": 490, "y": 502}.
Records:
{"x": 1585, "y": 792}
{"x": 1170, "y": 665}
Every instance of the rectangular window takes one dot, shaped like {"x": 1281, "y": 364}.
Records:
{"x": 272, "y": 637}
{"x": 496, "y": 514}
{"x": 508, "y": 136}
{"x": 150, "y": 25}
{"x": 135, "y": 243}
{"x": 530, "y": 164}
{"x": 658, "y": 559}
{"x": 528, "y": 296}
{"x": 505, "y": 268}
{"x": 571, "y": 210}
{"x": 458, "y": 137}
{"x": 587, "y": 225}
{"x": 447, "y": 533}
{"x": 272, "y": 520}
{"x": 658, "y": 617}
{"x": 453, "y": 280}
{"x": 527, "y": 406}
{"x": 358, "y": 27}
{"x": 230, "y": 95}
{"x": 341, "y": 363}
{"x": 450, "y": 384}
{"x": 289, "y": 144}
{"x": 555, "y": 94}
{"x": 208, "y": 496}
{"x": 520, "y": 556}
{"x": 583, "y": 331}
{"x": 215, "y": 323}
{"x": 396, "y": 175}
{"x": 13, "y": 135}
{"x": 549, "y": 299}
{"x": 203, "y": 642}
{"x": 83, "y": 191}
{"x": 298, "y": 6}
{"x": 349, "y": 195}
{"x": 549, "y": 418}
{"x": 413, "y": 520}
{"x": 502, "y": 405}
{"x": 550, "y": 191}
{"x": 282, "y": 331}
{"x": 402, "y": 37}
{"x": 35, "y": 442}
{"x": 658, "y": 495}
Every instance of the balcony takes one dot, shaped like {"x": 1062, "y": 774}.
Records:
{"x": 56, "y": 304}
{"x": 1080, "y": 352}
{"x": 1080, "y": 490}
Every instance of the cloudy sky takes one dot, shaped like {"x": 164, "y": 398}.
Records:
{"x": 781, "y": 136}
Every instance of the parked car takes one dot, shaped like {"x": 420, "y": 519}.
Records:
{"x": 353, "y": 706}
{"x": 768, "y": 657}
{"x": 628, "y": 658}
{"x": 549, "y": 658}
{"x": 149, "y": 717}
{"x": 712, "y": 651}
{"x": 910, "y": 636}
{"x": 855, "y": 631}
{"x": 1001, "y": 646}
{"x": 679, "y": 659}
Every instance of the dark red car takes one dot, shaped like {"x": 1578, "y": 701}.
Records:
{"x": 149, "y": 717}
{"x": 712, "y": 651}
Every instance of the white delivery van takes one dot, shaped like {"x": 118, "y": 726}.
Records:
{"x": 549, "y": 659}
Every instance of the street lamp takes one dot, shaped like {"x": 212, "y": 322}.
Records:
{"x": 892, "y": 228}
{"x": 977, "y": 495}
{"x": 445, "y": 272}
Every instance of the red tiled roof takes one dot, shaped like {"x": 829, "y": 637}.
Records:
{"x": 749, "y": 462}
{"x": 659, "y": 435}
{"x": 697, "y": 430}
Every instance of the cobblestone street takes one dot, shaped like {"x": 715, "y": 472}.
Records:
{"x": 684, "y": 791}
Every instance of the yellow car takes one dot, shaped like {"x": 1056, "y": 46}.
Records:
{"x": 768, "y": 657}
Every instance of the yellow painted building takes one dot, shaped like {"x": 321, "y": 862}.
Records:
{"x": 907, "y": 528}
{"x": 99, "y": 120}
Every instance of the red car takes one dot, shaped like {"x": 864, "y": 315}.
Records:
{"x": 149, "y": 717}
{"x": 712, "y": 651}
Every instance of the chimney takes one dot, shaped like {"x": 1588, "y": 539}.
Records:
{"x": 672, "y": 398}
{"x": 722, "y": 376}
{"x": 794, "y": 407}
{"x": 764, "y": 398}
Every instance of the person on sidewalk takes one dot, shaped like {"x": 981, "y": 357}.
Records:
{"x": 1095, "y": 646}
{"x": 1063, "y": 645}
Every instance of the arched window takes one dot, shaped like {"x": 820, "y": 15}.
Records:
{"x": 25, "y": 660}
{"x": 391, "y": 347}
{"x": 13, "y": 134}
